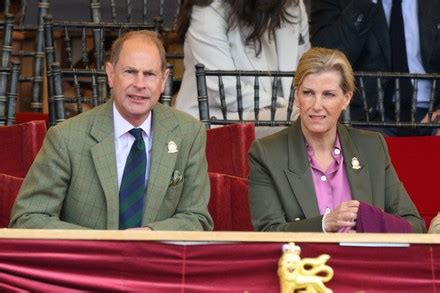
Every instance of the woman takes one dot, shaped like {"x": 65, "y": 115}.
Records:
{"x": 316, "y": 174}
{"x": 240, "y": 35}
{"x": 434, "y": 227}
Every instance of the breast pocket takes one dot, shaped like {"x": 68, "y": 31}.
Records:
{"x": 172, "y": 198}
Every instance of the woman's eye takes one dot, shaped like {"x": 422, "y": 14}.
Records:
{"x": 307, "y": 93}
{"x": 329, "y": 95}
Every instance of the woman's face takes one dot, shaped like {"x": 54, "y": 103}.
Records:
{"x": 321, "y": 100}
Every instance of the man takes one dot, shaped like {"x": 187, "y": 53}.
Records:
{"x": 81, "y": 177}
{"x": 361, "y": 29}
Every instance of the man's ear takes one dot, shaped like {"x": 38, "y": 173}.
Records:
{"x": 110, "y": 73}
{"x": 165, "y": 74}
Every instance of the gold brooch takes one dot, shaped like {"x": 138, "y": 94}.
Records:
{"x": 172, "y": 147}
{"x": 355, "y": 163}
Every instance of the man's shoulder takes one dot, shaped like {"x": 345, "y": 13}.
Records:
{"x": 82, "y": 122}
{"x": 174, "y": 116}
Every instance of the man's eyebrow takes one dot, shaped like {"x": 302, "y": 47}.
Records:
{"x": 130, "y": 68}
{"x": 151, "y": 72}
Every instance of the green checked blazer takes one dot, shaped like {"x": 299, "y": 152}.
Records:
{"x": 281, "y": 190}
{"x": 72, "y": 183}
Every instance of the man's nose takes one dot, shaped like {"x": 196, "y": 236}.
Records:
{"x": 139, "y": 80}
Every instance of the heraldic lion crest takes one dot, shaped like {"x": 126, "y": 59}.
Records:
{"x": 303, "y": 275}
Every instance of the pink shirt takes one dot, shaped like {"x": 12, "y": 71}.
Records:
{"x": 331, "y": 185}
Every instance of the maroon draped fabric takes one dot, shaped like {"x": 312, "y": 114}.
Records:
{"x": 227, "y": 148}
{"x": 19, "y": 144}
{"x": 9, "y": 186}
{"x": 373, "y": 220}
{"x": 416, "y": 162}
{"x": 229, "y": 204}
{"x": 54, "y": 265}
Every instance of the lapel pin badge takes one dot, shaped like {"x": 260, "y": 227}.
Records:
{"x": 355, "y": 163}
{"x": 172, "y": 147}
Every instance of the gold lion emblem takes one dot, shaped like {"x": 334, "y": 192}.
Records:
{"x": 303, "y": 275}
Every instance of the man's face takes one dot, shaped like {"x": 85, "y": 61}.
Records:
{"x": 321, "y": 100}
{"x": 137, "y": 80}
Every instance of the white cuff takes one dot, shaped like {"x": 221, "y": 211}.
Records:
{"x": 323, "y": 221}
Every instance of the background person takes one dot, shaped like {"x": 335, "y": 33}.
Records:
{"x": 92, "y": 172}
{"x": 317, "y": 174}
{"x": 241, "y": 35}
{"x": 362, "y": 29}
{"x": 434, "y": 227}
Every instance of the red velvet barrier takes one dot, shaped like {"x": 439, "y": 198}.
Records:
{"x": 9, "y": 186}
{"x": 53, "y": 265}
{"x": 417, "y": 163}
{"x": 19, "y": 144}
{"x": 227, "y": 148}
{"x": 229, "y": 204}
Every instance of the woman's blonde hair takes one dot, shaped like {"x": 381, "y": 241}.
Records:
{"x": 317, "y": 60}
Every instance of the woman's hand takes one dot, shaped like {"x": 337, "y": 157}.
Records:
{"x": 343, "y": 216}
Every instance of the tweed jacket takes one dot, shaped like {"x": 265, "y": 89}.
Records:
{"x": 72, "y": 183}
{"x": 359, "y": 29}
{"x": 281, "y": 190}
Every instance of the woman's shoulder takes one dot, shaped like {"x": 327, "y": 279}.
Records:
{"x": 202, "y": 17}
{"x": 273, "y": 142}
{"x": 369, "y": 142}
{"x": 364, "y": 135}
{"x": 216, "y": 6}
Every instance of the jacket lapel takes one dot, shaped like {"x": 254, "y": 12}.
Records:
{"x": 300, "y": 178}
{"x": 162, "y": 162}
{"x": 299, "y": 174}
{"x": 381, "y": 33}
{"x": 429, "y": 27}
{"x": 104, "y": 159}
{"x": 359, "y": 178}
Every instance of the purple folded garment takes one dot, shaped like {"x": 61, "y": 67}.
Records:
{"x": 373, "y": 220}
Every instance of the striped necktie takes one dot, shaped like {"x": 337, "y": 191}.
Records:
{"x": 131, "y": 193}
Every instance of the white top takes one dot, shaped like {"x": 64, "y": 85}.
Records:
{"x": 210, "y": 41}
{"x": 124, "y": 140}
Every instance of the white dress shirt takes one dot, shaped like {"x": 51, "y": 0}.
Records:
{"x": 412, "y": 37}
{"x": 124, "y": 140}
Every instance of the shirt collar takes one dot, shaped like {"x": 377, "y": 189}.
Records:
{"x": 336, "y": 154}
{"x": 122, "y": 126}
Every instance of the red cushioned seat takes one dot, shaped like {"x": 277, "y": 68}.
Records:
{"x": 227, "y": 148}
{"x": 229, "y": 204}
{"x": 19, "y": 144}
{"x": 23, "y": 117}
{"x": 417, "y": 162}
{"x": 9, "y": 186}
